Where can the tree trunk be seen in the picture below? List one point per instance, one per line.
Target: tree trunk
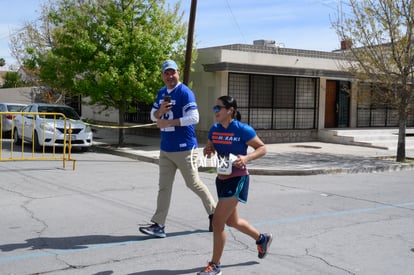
(401, 137)
(121, 130)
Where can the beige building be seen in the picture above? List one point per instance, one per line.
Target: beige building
(285, 94)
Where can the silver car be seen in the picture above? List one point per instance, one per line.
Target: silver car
(7, 119)
(43, 127)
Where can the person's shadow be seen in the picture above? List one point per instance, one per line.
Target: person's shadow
(88, 241)
(82, 242)
(175, 272)
(187, 271)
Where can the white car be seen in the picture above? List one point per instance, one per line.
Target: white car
(41, 125)
(7, 119)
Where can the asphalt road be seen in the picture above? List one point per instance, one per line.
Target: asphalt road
(60, 221)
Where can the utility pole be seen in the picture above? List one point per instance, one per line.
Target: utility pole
(190, 36)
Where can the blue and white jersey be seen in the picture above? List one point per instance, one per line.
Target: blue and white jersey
(178, 138)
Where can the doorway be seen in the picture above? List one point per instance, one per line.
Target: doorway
(337, 104)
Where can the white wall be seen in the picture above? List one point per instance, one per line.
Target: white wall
(16, 95)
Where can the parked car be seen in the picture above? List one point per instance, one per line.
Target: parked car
(7, 119)
(43, 127)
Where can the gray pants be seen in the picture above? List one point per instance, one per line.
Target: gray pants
(168, 165)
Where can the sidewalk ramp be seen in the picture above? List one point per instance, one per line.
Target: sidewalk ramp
(386, 139)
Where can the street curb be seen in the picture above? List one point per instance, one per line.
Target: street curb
(273, 172)
(112, 151)
(325, 171)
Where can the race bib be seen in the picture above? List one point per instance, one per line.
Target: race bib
(225, 165)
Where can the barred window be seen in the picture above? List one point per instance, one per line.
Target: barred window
(305, 93)
(275, 102)
(239, 85)
(283, 90)
(261, 91)
(370, 113)
(305, 103)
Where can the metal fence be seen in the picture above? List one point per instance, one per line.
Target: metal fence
(24, 141)
(141, 114)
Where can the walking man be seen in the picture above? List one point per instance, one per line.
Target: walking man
(175, 111)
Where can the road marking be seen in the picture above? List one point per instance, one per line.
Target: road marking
(334, 214)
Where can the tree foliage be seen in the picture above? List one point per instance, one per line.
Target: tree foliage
(381, 34)
(107, 50)
(112, 50)
(12, 80)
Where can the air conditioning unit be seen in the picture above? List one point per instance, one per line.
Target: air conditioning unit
(264, 42)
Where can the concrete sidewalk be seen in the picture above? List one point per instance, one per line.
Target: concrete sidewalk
(304, 158)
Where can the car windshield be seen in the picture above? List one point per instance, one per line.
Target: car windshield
(67, 111)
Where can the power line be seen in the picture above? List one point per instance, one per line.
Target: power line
(328, 3)
(235, 22)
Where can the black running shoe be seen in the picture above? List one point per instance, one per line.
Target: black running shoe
(263, 247)
(154, 230)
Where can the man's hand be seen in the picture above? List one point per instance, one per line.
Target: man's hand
(164, 108)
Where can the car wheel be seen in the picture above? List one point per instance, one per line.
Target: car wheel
(16, 139)
(36, 143)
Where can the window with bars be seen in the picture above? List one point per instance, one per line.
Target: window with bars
(275, 102)
(372, 114)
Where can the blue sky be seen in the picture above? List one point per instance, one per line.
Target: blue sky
(299, 24)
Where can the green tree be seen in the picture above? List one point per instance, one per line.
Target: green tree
(107, 50)
(2, 62)
(381, 33)
(12, 80)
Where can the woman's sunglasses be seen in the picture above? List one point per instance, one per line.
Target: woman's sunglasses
(217, 108)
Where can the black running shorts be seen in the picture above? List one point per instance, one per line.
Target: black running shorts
(236, 187)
